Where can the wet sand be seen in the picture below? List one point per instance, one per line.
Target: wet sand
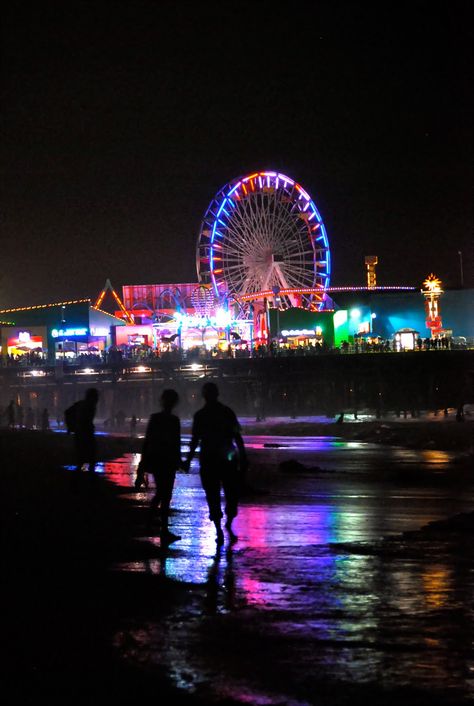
(307, 627)
(61, 532)
(426, 431)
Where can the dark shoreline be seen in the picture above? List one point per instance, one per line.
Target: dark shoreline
(63, 531)
(419, 433)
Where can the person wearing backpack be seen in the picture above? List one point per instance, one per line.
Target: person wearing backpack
(80, 421)
(161, 456)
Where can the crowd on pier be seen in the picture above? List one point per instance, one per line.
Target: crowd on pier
(145, 354)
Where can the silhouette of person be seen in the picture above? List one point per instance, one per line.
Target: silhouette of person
(215, 428)
(120, 420)
(161, 456)
(19, 414)
(30, 418)
(45, 420)
(11, 415)
(84, 438)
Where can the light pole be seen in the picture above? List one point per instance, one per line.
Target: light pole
(461, 268)
(252, 332)
(372, 317)
(276, 304)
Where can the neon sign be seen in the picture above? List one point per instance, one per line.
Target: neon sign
(66, 332)
(222, 319)
(302, 332)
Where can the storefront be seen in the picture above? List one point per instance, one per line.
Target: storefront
(183, 332)
(298, 327)
(406, 339)
(136, 341)
(69, 343)
(61, 331)
(22, 342)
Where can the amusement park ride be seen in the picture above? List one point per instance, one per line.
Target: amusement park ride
(262, 244)
(263, 232)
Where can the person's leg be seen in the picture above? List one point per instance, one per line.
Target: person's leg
(92, 454)
(80, 454)
(155, 501)
(230, 482)
(166, 486)
(212, 487)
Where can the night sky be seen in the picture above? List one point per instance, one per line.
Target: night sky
(120, 120)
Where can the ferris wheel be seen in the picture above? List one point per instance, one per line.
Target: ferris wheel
(263, 232)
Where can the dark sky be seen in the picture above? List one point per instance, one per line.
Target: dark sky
(120, 120)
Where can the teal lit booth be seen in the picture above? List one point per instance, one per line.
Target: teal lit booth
(299, 323)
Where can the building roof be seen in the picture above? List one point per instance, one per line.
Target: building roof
(44, 306)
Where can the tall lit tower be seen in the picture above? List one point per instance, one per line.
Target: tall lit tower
(432, 292)
(370, 262)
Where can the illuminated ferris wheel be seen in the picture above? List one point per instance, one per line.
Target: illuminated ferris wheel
(263, 232)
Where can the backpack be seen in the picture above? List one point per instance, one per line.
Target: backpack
(70, 418)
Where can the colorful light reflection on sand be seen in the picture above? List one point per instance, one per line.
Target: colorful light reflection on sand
(299, 583)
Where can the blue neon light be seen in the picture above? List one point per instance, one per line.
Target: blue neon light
(235, 187)
(60, 333)
(221, 208)
(263, 180)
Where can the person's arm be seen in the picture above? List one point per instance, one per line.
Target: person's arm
(243, 463)
(146, 441)
(240, 444)
(179, 462)
(241, 448)
(142, 466)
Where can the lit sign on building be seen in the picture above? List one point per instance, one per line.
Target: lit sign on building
(222, 319)
(302, 332)
(24, 341)
(68, 332)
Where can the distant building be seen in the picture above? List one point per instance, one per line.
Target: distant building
(57, 330)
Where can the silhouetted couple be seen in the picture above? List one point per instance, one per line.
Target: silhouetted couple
(223, 459)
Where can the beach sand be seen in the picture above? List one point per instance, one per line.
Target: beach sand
(62, 533)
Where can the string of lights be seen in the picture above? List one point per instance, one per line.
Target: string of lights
(313, 290)
(44, 306)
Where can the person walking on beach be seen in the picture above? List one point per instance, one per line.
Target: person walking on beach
(45, 420)
(80, 421)
(30, 418)
(215, 428)
(161, 456)
(11, 415)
